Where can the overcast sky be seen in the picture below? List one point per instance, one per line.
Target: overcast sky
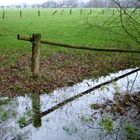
(10, 2)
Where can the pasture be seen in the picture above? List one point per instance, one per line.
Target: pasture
(100, 28)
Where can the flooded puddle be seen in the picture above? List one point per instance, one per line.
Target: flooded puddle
(20, 117)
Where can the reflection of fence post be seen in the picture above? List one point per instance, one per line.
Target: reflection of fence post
(35, 64)
(36, 110)
(3, 15)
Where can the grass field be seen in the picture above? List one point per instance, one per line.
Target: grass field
(62, 67)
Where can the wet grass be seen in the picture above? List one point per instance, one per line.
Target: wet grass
(60, 66)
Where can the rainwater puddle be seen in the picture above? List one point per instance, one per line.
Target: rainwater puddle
(74, 121)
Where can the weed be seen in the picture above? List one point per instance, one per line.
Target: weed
(131, 131)
(107, 124)
(86, 119)
(71, 130)
(4, 101)
(4, 116)
(117, 90)
(18, 88)
(22, 121)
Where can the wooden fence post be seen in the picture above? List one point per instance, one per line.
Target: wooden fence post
(70, 11)
(35, 64)
(20, 13)
(39, 13)
(113, 12)
(103, 11)
(62, 12)
(90, 11)
(81, 11)
(3, 15)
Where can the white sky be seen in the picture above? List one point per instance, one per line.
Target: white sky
(10, 2)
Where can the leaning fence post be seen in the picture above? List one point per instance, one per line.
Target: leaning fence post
(54, 12)
(35, 64)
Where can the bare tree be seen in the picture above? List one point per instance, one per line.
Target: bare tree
(70, 3)
(125, 16)
(129, 17)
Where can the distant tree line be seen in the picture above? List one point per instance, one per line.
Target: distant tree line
(83, 3)
(112, 3)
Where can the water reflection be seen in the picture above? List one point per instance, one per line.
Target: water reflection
(36, 110)
(74, 121)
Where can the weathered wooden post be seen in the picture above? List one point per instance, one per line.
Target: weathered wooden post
(39, 13)
(113, 12)
(81, 11)
(90, 11)
(20, 13)
(103, 11)
(70, 11)
(62, 12)
(35, 64)
(3, 15)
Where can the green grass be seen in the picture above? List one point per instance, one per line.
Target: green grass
(66, 28)
(63, 28)
(73, 29)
